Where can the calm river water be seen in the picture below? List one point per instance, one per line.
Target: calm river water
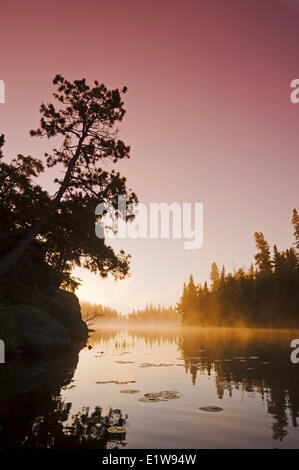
(245, 375)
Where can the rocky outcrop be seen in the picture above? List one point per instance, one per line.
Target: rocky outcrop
(26, 329)
(65, 308)
(37, 323)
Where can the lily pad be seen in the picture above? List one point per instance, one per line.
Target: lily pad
(106, 382)
(116, 430)
(117, 382)
(164, 365)
(148, 399)
(124, 362)
(149, 364)
(129, 391)
(164, 395)
(212, 409)
(124, 382)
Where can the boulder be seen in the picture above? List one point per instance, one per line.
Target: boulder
(65, 308)
(33, 321)
(27, 329)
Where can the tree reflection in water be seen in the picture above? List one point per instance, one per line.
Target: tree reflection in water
(270, 373)
(33, 414)
(225, 353)
(255, 363)
(54, 427)
(85, 431)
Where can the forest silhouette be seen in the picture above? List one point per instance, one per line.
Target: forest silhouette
(151, 314)
(266, 295)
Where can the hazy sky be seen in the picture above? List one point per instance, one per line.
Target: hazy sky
(209, 117)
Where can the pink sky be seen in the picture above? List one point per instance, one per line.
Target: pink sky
(209, 117)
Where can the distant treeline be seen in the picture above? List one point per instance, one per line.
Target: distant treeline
(153, 314)
(265, 295)
(91, 311)
(150, 314)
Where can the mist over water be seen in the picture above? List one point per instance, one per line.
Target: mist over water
(245, 374)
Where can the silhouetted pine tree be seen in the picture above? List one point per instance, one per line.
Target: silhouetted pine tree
(295, 222)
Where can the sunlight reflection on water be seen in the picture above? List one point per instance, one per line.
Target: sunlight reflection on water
(247, 373)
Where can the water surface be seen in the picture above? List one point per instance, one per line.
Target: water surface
(246, 373)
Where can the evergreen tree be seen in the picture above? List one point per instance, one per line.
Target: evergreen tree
(262, 258)
(278, 260)
(188, 303)
(214, 276)
(222, 278)
(295, 222)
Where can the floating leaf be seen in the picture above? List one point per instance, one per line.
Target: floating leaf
(116, 430)
(164, 395)
(117, 382)
(124, 382)
(106, 382)
(124, 362)
(212, 409)
(149, 364)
